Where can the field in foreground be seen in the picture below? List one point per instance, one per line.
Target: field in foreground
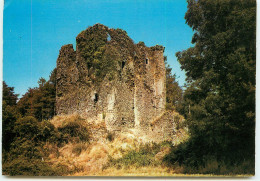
(110, 154)
(72, 146)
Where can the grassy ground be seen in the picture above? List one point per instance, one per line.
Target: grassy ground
(109, 155)
(114, 155)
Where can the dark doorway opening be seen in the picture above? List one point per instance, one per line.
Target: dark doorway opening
(146, 61)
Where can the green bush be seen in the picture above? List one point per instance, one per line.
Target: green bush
(27, 154)
(23, 166)
(196, 161)
(48, 132)
(140, 158)
(27, 127)
(74, 131)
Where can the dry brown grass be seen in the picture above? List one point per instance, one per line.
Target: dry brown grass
(132, 171)
(94, 157)
(60, 120)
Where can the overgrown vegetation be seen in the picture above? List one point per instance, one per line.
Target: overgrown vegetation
(101, 56)
(144, 156)
(39, 102)
(25, 137)
(74, 130)
(219, 102)
(26, 153)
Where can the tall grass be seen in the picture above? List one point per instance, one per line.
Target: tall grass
(144, 156)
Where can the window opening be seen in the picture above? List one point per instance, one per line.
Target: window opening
(146, 61)
(108, 37)
(96, 98)
(123, 64)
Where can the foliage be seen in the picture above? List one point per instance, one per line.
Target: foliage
(137, 158)
(92, 43)
(219, 102)
(25, 137)
(207, 164)
(141, 43)
(9, 97)
(92, 46)
(27, 154)
(173, 90)
(9, 116)
(26, 150)
(40, 102)
(158, 47)
(74, 130)
(28, 167)
(103, 51)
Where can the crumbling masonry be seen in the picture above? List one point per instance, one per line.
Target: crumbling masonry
(109, 78)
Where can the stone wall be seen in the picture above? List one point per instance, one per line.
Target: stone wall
(109, 78)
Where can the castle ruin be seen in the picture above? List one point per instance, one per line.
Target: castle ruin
(110, 78)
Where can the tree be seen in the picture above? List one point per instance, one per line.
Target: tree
(219, 103)
(9, 96)
(173, 90)
(27, 148)
(39, 102)
(9, 115)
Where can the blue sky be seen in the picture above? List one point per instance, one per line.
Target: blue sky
(35, 30)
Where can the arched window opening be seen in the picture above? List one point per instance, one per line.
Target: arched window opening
(146, 61)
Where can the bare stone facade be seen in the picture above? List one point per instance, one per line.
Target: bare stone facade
(110, 79)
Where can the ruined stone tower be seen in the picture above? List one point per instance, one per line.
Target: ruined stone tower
(109, 78)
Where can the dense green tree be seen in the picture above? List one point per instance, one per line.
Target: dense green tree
(219, 103)
(9, 97)
(9, 116)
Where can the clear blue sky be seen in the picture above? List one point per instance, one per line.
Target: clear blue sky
(34, 31)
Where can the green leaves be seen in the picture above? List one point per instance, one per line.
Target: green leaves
(219, 101)
(9, 96)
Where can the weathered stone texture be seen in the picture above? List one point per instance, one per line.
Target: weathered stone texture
(113, 80)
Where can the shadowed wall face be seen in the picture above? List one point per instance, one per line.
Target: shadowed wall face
(109, 78)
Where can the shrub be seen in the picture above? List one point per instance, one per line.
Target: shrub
(22, 166)
(27, 127)
(194, 162)
(48, 132)
(27, 153)
(74, 130)
(143, 157)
